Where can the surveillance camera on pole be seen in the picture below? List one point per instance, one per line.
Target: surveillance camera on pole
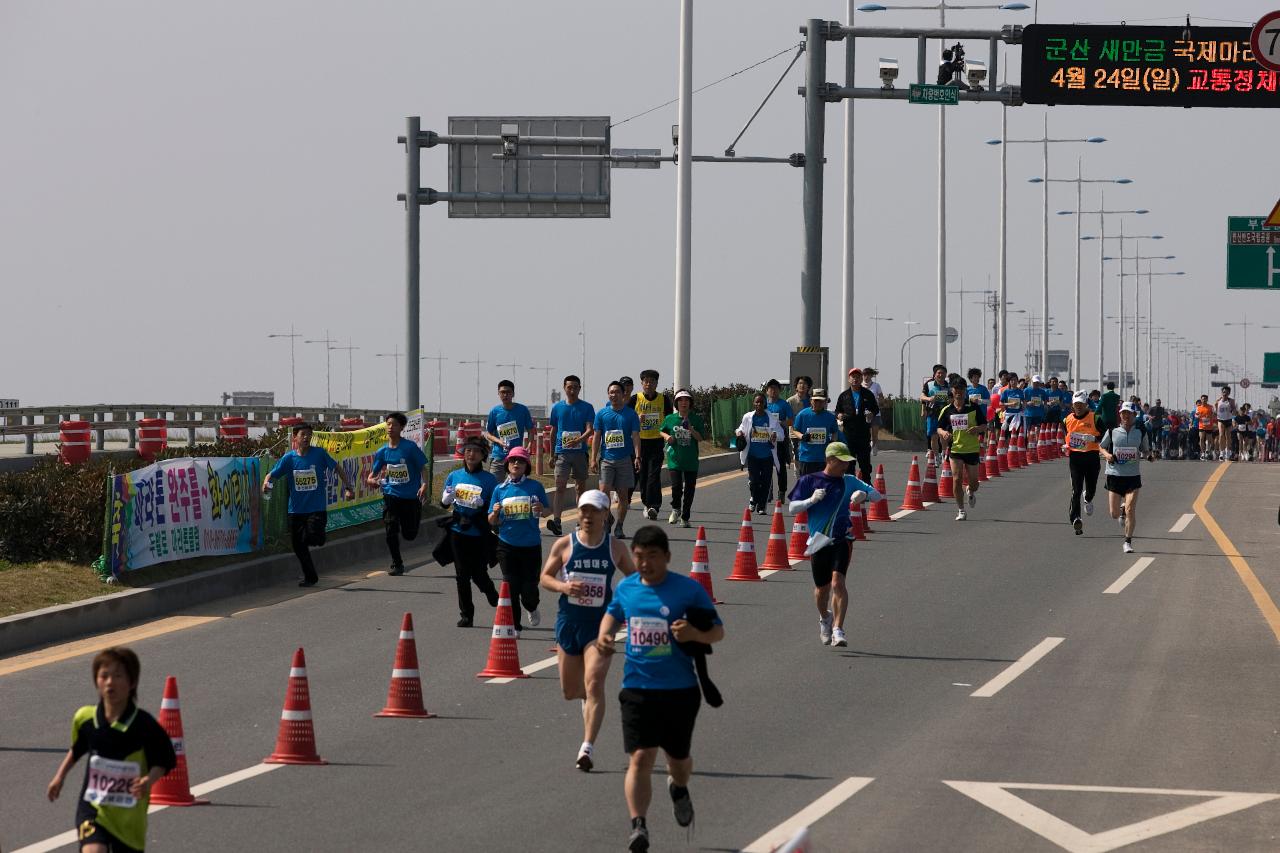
(888, 72)
(976, 73)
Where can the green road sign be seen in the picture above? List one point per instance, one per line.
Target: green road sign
(1251, 254)
(1271, 367)
(925, 93)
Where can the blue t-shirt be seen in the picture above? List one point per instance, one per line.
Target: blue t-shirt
(308, 481)
(1011, 400)
(819, 429)
(979, 395)
(783, 410)
(472, 495)
(595, 568)
(616, 427)
(517, 523)
(1094, 405)
(758, 445)
(511, 424)
(654, 661)
(1064, 397)
(830, 515)
(1034, 398)
(571, 419)
(403, 465)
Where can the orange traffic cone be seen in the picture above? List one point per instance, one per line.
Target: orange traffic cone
(744, 561)
(1002, 454)
(880, 509)
(701, 568)
(911, 498)
(985, 461)
(857, 533)
(866, 523)
(173, 788)
(296, 741)
(946, 480)
(504, 657)
(993, 457)
(404, 696)
(799, 536)
(929, 489)
(775, 552)
(1019, 450)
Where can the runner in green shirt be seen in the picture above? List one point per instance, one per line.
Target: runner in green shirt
(961, 425)
(682, 430)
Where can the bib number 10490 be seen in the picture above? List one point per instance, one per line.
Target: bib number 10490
(649, 635)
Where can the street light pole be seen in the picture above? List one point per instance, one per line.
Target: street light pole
(328, 372)
(397, 355)
(876, 324)
(293, 374)
(477, 362)
(350, 383)
(439, 359)
(684, 198)
(902, 373)
(546, 383)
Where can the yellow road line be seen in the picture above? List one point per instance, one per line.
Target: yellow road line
(1260, 597)
(92, 645)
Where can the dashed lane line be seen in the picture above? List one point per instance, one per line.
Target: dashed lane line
(1181, 524)
(1018, 667)
(1127, 578)
(809, 815)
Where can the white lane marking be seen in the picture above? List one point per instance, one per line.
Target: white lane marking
(72, 836)
(1018, 667)
(545, 663)
(764, 573)
(1182, 523)
(996, 796)
(902, 513)
(809, 815)
(1127, 578)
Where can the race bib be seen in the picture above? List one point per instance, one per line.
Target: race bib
(570, 438)
(509, 431)
(305, 480)
(941, 397)
(649, 636)
(976, 399)
(760, 435)
(650, 421)
(1242, 427)
(518, 508)
(1013, 405)
(959, 422)
(817, 435)
(109, 782)
(1035, 401)
(468, 495)
(1126, 454)
(397, 474)
(593, 594)
(1078, 440)
(614, 439)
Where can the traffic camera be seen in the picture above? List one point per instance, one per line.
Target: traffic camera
(888, 72)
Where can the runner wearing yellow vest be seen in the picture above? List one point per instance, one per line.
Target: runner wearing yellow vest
(1083, 433)
(651, 408)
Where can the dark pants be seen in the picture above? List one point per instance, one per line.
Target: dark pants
(400, 517)
(649, 477)
(682, 485)
(470, 566)
(1084, 477)
(305, 530)
(860, 446)
(520, 569)
(759, 480)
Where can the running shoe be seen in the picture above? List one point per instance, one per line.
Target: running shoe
(681, 804)
(535, 618)
(973, 499)
(961, 516)
(838, 637)
(619, 533)
(684, 522)
(464, 622)
(824, 629)
(583, 761)
(1088, 507)
(395, 571)
(639, 841)
(1128, 547)
(651, 513)
(1079, 526)
(875, 451)
(554, 526)
(674, 518)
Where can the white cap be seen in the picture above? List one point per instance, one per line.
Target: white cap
(1037, 378)
(1080, 397)
(683, 394)
(1129, 407)
(595, 498)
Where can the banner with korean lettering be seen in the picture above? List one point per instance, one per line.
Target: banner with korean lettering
(353, 451)
(181, 508)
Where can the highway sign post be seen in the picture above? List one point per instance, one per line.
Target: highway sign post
(1271, 367)
(1265, 41)
(927, 93)
(1251, 254)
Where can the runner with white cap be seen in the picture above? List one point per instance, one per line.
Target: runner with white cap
(580, 568)
(1121, 447)
(1083, 433)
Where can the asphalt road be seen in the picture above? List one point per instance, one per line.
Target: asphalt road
(1148, 716)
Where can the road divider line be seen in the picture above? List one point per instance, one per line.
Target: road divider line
(1265, 604)
(1018, 667)
(1127, 578)
(1181, 524)
(902, 513)
(764, 573)
(809, 815)
(545, 663)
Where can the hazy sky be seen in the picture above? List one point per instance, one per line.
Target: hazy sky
(178, 180)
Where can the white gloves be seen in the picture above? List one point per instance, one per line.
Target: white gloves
(858, 498)
(448, 497)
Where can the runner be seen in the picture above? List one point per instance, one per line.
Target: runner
(1053, 408)
(757, 440)
(1109, 407)
(869, 382)
(617, 431)
(308, 469)
(1121, 447)
(580, 568)
(978, 393)
(814, 429)
(826, 496)
(961, 425)
(469, 490)
(682, 430)
(573, 421)
(1095, 400)
(933, 396)
(786, 415)
(1226, 409)
(1033, 397)
(1011, 406)
(403, 488)
(1243, 423)
(1158, 417)
(1205, 424)
(856, 410)
(1083, 433)
(128, 753)
(660, 695)
(651, 407)
(799, 401)
(507, 425)
(514, 509)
